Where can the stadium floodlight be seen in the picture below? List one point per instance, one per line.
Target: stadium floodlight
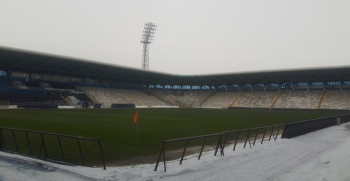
(147, 37)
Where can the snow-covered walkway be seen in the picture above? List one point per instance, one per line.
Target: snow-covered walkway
(319, 156)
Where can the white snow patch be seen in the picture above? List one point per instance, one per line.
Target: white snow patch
(319, 156)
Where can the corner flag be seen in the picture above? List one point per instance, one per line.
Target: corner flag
(137, 125)
(136, 116)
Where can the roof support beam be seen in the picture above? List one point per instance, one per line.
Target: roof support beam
(273, 79)
(42, 65)
(335, 72)
(25, 60)
(232, 80)
(319, 75)
(3, 58)
(245, 80)
(301, 75)
(290, 80)
(257, 78)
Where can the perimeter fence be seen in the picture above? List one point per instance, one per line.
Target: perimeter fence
(248, 136)
(219, 141)
(69, 149)
(295, 129)
(51, 146)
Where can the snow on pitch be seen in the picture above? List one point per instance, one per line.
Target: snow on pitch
(319, 156)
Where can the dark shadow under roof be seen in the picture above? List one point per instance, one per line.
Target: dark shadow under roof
(34, 62)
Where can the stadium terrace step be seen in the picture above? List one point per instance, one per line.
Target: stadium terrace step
(233, 103)
(321, 100)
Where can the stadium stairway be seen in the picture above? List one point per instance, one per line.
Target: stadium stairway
(67, 101)
(149, 93)
(180, 94)
(274, 102)
(234, 102)
(174, 101)
(321, 99)
(19, 85)
(211, 94)
(91, 98)
(129, 97)
(169, 101)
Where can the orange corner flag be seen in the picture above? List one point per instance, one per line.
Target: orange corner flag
(136, 116)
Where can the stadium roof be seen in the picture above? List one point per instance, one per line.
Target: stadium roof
(12, 59)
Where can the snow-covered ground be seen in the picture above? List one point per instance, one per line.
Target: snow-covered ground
(319, 156)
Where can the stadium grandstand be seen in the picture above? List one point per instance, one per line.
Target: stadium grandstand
(38, 80)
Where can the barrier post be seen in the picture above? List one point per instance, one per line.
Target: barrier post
(43, 144)
(183, 153)
(3, 145)
(160, 155)
(338, 121)
(61, 150)
(262, 140)
(279, 127)
(101, 153)
(164, 160)
(200, 154)
(28, 142)
(234, 147)
(257, 131)
(219, 144)
(246, 139)
(81, 152)
(223, 146)
(14, 139)
(271, 132)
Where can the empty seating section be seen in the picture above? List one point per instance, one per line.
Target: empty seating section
(5, 84)
(257, 99)
(82, 97)
(36, 105)
(260, 99)
(47, 95)
(106, 96)
(178, 92)
(196, 98)
(40, 86)
(336, 100)
(182, 98)
(46, 86)
(315, 97)
(65, 86)
(299, 99)
(36, 99)
(142, 98)
(31, 84)
(221, 99)
(165, 96)
(73, 100)
(19, 84)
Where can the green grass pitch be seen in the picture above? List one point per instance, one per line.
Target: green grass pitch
(117, 131)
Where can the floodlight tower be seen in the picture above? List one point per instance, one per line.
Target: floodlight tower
(147, 37)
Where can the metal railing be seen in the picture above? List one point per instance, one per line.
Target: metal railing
(295, 129)
(44, 146)
(250, 135)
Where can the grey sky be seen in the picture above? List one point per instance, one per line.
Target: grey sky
(192, 37)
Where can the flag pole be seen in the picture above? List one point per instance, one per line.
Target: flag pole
(137, 126)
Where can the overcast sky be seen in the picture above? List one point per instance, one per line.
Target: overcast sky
(192, 37)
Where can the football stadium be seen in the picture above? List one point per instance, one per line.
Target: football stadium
(234, 90)
(70, 96)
